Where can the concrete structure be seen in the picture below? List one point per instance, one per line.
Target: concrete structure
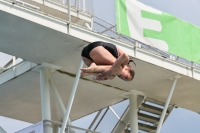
(49, 36)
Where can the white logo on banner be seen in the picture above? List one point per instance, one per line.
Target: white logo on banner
(137, 23)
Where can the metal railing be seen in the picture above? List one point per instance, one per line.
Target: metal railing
(69, 126)
(105, 28)
(107, 118)
(10, 65)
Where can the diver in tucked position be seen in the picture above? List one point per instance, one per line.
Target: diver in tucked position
(105, 61)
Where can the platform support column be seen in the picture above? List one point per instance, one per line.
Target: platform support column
(135, 100)
(55, 128)
(45, 99)
(59, 100)
(133, 113)
(71, 98)
(167, 104)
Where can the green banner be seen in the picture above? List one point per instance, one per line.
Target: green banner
(158, 29)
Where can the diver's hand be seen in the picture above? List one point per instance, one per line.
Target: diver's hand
(105, 75)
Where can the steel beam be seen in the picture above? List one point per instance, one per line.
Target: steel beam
(20, 68)
(14, 60)
(90, 36)
(133, 113)
(121, 125)
(101, 119)
(78, 128)
(2, 130)
(135, 100)
(71, 98)
(55, 128)
(94, 119)
(84, 5)
(45, 99)
(114, 112)
(167, 104)
(59, 100)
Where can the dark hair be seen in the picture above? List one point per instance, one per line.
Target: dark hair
(131, 61)
(131, 71)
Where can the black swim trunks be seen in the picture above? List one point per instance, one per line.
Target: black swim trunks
(108, 46)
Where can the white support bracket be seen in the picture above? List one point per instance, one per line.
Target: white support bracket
(167, 103)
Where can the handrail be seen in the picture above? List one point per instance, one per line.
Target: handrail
(14, 66)
(60, 124)
(132, 42)
(155, 50)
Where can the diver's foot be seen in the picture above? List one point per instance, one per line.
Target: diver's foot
(88, 69)
(84, 74)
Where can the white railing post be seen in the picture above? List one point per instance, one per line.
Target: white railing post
(69, 11)
(69, 16)
(14, 60)
(84, 5)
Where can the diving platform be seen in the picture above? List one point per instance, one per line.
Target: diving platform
(51, 38)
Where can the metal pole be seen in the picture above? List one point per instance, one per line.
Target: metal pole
(114, 112)
(78, 128)
(92, 23)
(55, 128)
(124, 120)
(69, 11)
(14, 62)
(71, 98)
(166, 106)
(58, 100)
(45, 99)
(79, 4)
(84, 5)
(133, 113)
(101, 119)
(94, 119)
(2, 130)
(69, 17)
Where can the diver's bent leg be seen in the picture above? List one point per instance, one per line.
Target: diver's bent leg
(87, 61)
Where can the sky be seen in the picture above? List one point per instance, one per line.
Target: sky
(180, 120)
